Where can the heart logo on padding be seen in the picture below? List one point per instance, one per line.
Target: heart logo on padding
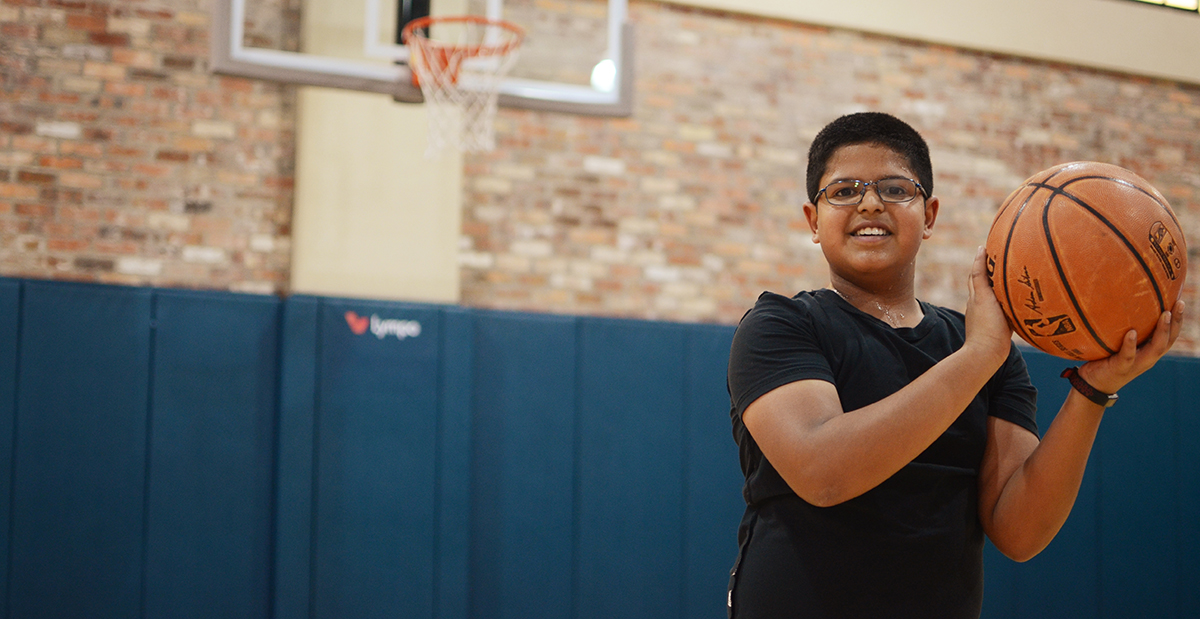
(358, 324)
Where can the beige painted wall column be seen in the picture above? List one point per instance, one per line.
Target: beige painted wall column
(373, 217)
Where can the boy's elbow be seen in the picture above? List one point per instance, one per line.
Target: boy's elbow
(1019, 550)
(821, 493)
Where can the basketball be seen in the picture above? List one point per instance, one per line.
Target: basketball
(1080, 254)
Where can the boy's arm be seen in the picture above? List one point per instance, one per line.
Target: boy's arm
(1027, 488)
(827, 457)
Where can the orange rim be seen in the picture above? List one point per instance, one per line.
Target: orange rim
(433, 51)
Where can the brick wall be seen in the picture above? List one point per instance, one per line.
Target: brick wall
(690, 208)
(123, 160)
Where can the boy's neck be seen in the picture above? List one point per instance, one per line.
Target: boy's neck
(896, 306)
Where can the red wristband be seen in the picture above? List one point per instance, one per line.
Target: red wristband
(1099, 397)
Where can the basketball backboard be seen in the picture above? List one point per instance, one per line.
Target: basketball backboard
(576, 56)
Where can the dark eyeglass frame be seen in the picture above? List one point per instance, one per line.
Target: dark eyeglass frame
(862, 191)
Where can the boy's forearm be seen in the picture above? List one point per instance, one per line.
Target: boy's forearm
(1038, 498)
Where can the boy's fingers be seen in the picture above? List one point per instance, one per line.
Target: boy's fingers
(1176, 321)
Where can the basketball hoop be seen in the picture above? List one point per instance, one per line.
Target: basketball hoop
(459, 73)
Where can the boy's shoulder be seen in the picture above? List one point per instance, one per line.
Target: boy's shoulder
(801, 303)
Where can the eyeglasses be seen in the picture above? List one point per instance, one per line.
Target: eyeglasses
(890, 190)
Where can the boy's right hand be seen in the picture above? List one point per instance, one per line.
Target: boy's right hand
(988, 330)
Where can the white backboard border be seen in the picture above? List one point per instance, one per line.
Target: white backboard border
(229, 56)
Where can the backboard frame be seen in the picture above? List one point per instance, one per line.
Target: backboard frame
(229, 56)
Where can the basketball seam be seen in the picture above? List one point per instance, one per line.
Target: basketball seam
(1062, 276)
(1121, 235)
(1012, 311)
(1004, 264)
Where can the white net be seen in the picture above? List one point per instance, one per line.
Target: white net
(459, 63)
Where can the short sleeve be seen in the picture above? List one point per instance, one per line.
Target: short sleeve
(776, 343)
(1012, 396)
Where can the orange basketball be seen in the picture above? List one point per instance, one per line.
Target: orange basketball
(1080, 254)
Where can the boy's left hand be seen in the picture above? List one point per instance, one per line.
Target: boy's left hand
(1112, 373)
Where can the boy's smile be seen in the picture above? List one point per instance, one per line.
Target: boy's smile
(869, 230)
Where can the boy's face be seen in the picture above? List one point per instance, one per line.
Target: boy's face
(873, 243)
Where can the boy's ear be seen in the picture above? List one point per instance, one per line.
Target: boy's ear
(931, 212)
(810, 214)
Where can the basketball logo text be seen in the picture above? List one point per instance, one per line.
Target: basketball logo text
(1035, 298)
(1041, 325)
(1051, 326)
(1166, 249)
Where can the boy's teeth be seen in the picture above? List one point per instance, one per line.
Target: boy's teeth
(871, 232)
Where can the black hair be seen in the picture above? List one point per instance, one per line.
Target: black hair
(869, 128)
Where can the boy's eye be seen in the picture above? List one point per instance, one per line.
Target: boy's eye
(846, 190)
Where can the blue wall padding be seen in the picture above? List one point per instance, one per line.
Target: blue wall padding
(187, 454)
(1187, 473)
(10, 300)
(523, 467)
(630, 469)
(452, 557)
(1139, 532)
(80, 462)
(294, 459)
(375, 457)
(212, 438)
(710, 510)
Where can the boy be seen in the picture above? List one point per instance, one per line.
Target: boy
(882, 437)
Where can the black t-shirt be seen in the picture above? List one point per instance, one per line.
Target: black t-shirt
(910, 547)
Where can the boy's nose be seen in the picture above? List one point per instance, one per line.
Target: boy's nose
(871, 202)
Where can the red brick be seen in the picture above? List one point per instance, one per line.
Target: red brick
(108, 39)
(125, 151)
(96, 134)
(17, 190)
(15, 128)
(81, 180)
(87, 263)
(18, 31)
(123, 248)
(33, 143)
(41, 211)
(59, 98)
(148, 75)
(161, 14)
(179, 63)
(60, 229)
(151, 169)
(62, 163)
(91, 23)
(125, 89)
(80, 215)
(35, 178)
(236, 84)
(84, 149)
(73, 5)
(170, 155)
